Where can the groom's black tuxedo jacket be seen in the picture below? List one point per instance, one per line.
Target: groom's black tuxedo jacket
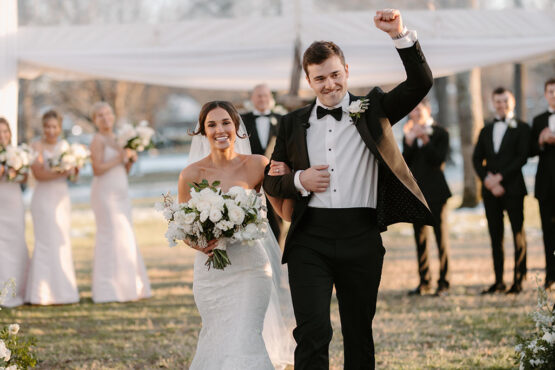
(399, 198)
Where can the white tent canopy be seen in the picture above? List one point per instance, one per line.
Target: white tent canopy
(237, 53)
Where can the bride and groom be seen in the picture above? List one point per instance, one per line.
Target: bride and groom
(338, 175)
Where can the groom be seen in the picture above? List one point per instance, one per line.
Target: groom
(349, 182)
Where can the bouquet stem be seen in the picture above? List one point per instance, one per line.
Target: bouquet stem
(219, 260)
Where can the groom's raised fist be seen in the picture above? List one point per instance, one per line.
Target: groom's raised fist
(389, 21)
(316, 178)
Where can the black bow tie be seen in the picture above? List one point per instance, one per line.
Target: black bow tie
(336, 113)
(499, 120)
(262, 115)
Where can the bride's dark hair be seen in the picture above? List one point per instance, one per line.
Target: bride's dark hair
(210, 106)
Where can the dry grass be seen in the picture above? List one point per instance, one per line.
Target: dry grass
(463, 330)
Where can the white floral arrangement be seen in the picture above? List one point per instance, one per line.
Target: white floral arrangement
(357, 107)
(17, 161)
(138, 138)
(67, 157)
(238, 215)
(15, 352)
(538, 350)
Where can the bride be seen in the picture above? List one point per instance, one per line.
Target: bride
(246, 310)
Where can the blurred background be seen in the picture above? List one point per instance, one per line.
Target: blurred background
(460, 101)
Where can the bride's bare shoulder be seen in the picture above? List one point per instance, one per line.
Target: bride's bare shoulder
(257, 160)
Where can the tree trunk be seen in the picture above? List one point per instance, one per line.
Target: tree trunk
(440, 86)
(520, 90)
(471, 120)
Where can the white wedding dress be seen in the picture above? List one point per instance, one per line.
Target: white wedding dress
(52, 274)
(14, 257)
(119, 273)
(246, 310)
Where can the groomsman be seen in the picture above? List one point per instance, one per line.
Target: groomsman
(425, 148)
(500, 153)
(262, 126)
(542, 143)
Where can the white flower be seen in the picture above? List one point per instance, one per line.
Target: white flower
(14, 158)
(5, 353)
(357, 107)
(549, 337)
(215, 215)
(512, 123)
(225, 225)
(13, 329)
(236, 215)
(204, 215)
(167, 213)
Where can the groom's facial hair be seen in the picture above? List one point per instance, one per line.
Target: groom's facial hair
(329, 80)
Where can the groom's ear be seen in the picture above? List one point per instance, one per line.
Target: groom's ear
(346, 70)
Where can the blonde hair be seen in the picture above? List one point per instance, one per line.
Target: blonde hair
(5, 122)
(98, 106)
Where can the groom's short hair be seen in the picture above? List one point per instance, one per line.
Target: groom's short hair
(319, 52)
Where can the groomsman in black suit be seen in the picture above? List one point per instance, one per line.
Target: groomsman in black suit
(542, 143)
(425, 148)
(262, 126)
(500, 153)
(349, 181)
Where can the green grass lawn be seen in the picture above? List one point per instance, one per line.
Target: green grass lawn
(463, 330)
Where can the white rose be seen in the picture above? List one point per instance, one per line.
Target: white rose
(236, 215)
(167, 213)
(204, 215)
(225, 225)
(203, 205)
(189, 218)
(179, 217)
(215, 215)
(5, 353)
(13, 329)
(13, 160)
(61, 147)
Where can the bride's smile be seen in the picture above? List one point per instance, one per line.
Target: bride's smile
(220, 129)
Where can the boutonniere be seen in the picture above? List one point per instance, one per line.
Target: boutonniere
(357, 107)
(273, 120)
(512, 123)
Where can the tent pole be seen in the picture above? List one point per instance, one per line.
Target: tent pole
(8, 64)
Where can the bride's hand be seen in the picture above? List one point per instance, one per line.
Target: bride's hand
(208, 250)
(278, 168)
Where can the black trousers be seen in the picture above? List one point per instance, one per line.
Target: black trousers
(273, 220)
(494, 213)
(547, 213)
(422, 238)
(340, 247)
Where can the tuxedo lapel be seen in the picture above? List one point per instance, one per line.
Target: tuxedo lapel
(508, 132)
(301, 125)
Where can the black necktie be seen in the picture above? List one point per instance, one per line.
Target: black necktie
(336, 113)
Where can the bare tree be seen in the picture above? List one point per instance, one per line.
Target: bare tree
(471, 120)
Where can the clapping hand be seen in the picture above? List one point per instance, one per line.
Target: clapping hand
(389, 21)
(546, 137)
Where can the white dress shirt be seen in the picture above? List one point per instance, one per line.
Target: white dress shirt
(499, 129)
(551, 119)
(262, 127)
(352, 167)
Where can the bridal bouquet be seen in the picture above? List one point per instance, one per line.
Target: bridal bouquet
(138, 138)
(17, 161)
(238, 215)
(67, 157)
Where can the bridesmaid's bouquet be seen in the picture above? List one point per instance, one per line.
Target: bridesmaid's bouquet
(16, 161)
(238, 215)
(138, 138)
(67, 157)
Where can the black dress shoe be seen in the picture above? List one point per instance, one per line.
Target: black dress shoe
(442, 291)
(515, 289)
(421, 290)
(497, 287)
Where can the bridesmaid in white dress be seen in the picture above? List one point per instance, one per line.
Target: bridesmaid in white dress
(119, 273)
(14, 257)
(52, 274)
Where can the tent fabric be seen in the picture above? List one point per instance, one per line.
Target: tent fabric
(234, 54)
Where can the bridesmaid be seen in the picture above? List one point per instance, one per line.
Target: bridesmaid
(14, 257)
(119, 273)
(52, 275)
